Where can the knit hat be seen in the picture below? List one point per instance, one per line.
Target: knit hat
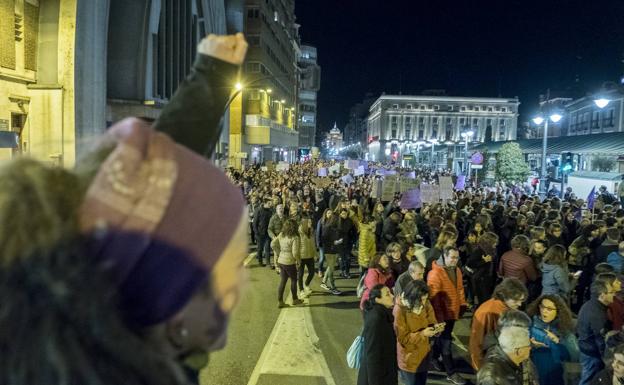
(159, 216)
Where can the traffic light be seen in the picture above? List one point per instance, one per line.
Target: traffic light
(567, 162)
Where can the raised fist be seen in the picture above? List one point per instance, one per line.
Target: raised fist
(229, 48)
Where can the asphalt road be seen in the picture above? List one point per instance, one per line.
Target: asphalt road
(301, 345)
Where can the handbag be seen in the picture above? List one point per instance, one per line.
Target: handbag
(354, 354)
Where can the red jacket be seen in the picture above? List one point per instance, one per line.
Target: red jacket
(517, 265)
(374, 277)
(446, 298)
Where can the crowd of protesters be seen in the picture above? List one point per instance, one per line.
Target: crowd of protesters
(540, 277)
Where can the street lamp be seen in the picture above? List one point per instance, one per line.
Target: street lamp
(466, 135)
(601, 102)
(539, 120)
(433, 143)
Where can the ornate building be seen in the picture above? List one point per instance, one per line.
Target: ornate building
(400, 125)
(333, 139)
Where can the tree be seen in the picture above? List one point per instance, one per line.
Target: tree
(510, 164)
(603, 163)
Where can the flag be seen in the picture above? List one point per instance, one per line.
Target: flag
(460, 184)
(591, 198)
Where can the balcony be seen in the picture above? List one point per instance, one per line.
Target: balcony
(263, 131)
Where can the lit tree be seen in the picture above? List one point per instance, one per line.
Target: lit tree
(510, 164)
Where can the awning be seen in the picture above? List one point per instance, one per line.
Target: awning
(608, 144)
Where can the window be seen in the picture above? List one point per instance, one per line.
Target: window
(475, 122)
(608, 119)
(502, 129)
(450, 107)
(503, 109)
(408, 134)
(462, 108)
(408, 106)
(253, 13)
(393, 119)
(490, 108)
(254, 95)
(434, 133)
(423, 107)
(421, 134)
(435, 120)
(436, 107)
(408, 119)
(393, 134)
(595, 120)
(462, 122)
(395, 106)
(476, 108)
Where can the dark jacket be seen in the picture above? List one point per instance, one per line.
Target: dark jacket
(379, 355)
(592, 326)
(389, 232)
(348, 233)
(498, 369)
(606, 248)
(328, 235)
(604, 377)
(261, 221)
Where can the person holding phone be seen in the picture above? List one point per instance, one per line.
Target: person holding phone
(414, 324)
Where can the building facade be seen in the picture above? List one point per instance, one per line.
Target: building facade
(262, 118)
(70, 68)
(399, 125)
(334, 140)
(308, 88)
(585, 117)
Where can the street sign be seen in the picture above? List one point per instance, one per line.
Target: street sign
(476, 166)
(476, 158)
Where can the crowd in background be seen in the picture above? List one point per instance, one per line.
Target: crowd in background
(540, 278)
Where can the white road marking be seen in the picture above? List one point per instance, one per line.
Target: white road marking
(292, 348)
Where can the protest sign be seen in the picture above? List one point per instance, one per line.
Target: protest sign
(376, 188)
(407, 184)
(429, 193)
(411, 199)
(322, 171)
(388, 189)
(347, 179)
(460, 185)
(446, 187)
(359, 171)
(335, 169)
(282, 166)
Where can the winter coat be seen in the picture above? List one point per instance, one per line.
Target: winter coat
(602, 252)
(286, 249)
(347, 232)
(591, 328)
(446, 297)
(389, 232)
(378, 365)
(579, 252)
(375, 276)
(517, 265)
(498, 369)
(616, 260)
(307, 248)
(412, 346)
(548, 360)
(367, 247)
(261, 221)
(556, 280)
(329, 235)
(484, 322)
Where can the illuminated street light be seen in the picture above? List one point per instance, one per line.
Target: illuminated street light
(539, 120)
(238, 86)
(466, 135)
(601, 103)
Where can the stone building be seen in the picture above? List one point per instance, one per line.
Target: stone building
(400, 125)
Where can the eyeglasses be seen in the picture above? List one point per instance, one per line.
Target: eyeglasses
(547, 308)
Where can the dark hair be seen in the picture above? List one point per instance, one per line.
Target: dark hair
(613, 233)
(374, 262)
(510, 288)
(289, 229)
(603, 268)
(587, 230)
(564, 315)
(414, 291)
(555, 255)
(373, 294)
(599, 287)
(520, 242)
(60, 325)
(448, 249)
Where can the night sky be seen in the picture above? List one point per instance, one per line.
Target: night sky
(470, 48)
